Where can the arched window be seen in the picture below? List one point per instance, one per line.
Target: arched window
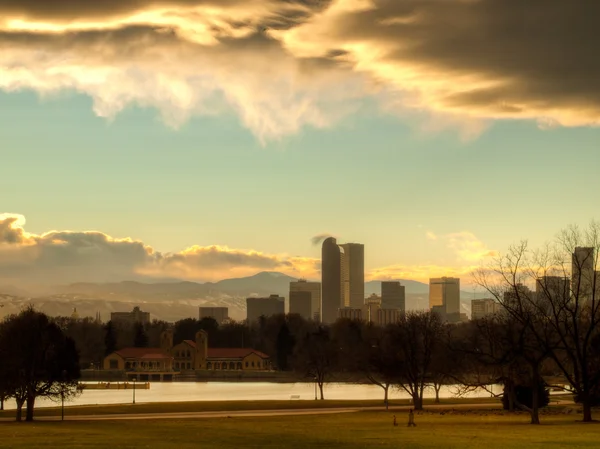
(239, 365)
(208, 365)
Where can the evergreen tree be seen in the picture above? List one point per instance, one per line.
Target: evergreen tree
(110, 338)
(140, 338)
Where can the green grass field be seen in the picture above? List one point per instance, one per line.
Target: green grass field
(350, 430)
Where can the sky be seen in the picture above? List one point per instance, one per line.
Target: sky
(210, 139)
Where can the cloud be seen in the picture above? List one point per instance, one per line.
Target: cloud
(282, 65)
(475, 58)
(465, 245)
(68, 256)
(318, 239)
(421, 273)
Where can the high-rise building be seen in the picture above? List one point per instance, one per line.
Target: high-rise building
(331, 280)
(551, 290)
(583, 265)
(481, 308)
(300, 303)
(445, 292)
(353, 274)
(257, 307)
(393, 296)
(314, 288)
(219, 314)
(135, 316)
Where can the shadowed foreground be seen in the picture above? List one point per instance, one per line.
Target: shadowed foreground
(354, 430)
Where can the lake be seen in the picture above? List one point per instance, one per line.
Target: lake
(242, 391)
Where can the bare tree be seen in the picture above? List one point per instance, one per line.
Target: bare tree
(562, 314)
(316, 357)
(415, 339)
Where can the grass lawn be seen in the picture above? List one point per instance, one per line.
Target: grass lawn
(353, 430)
(199, 406)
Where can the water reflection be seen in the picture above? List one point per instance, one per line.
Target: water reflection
(242, 391)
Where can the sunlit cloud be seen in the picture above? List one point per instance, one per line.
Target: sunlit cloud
(283, 65)
(73, 256)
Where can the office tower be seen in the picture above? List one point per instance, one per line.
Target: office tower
(314, 288)
(257, 307)
(481, 308)
(135, 316)
(551, 290)
(331, 280)
(219, 314)
(300, 304)
(445, 292)
(353, 274)
(393, 296)
(583, 264)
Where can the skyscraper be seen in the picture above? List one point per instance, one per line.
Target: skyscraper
(393, 296)
(583, 266)
(300, 304)
(445, 292)
(353, 275)
(257, 307)
(314, 288)
(331, 280)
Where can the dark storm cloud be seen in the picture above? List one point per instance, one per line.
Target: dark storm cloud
(513, 57)
(285, 64)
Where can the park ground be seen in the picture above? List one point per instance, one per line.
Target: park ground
(489, 429)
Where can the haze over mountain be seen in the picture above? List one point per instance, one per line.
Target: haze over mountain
(175, 300)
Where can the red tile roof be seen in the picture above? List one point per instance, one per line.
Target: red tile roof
(233, 353)
(192, 343)
(143, 353)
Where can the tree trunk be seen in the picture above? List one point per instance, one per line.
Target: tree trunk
(587, 411)
(535, 401)
(417, 401)
(385, 396)
(437, 388)
(321, 390)
(19, 416)
(1, 403)
(29, 409)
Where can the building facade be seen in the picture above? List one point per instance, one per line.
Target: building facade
(189, 355)
(219, 314)
(301, 304)
(393, 295)
(445, 292)
(583, 274)
(481, 308)
(331, 280)
(314, 288)
(350, 313)
(257, 307)
(133, 317)
(352, 261)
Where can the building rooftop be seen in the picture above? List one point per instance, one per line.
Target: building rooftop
(143, 353)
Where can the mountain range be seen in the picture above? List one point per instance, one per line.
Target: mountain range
(175, 300)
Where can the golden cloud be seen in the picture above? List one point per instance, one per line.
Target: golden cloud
(282, 65)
